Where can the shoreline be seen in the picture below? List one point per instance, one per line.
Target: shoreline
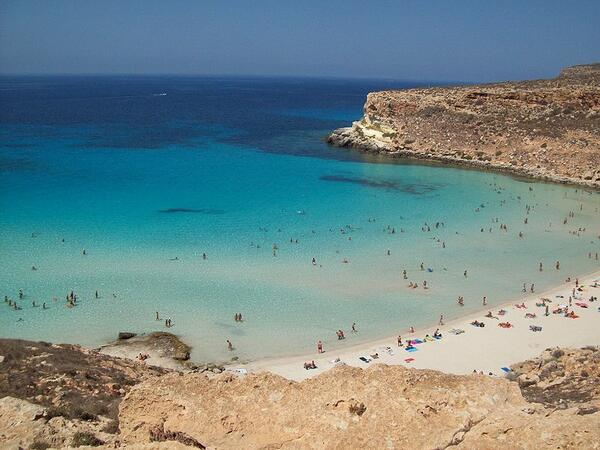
(557, 331)
(342, 138)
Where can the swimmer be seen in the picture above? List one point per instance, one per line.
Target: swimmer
(229, 345)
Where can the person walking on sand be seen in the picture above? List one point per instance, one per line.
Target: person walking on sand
(319, 347)
(400, 341)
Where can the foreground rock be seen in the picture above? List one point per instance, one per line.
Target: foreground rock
(549, 402)
(381, 407)
(50, 392)
(547, 129)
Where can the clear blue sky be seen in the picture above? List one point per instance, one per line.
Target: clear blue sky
(474, 40)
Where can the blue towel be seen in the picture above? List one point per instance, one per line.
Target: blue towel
(413, 349)
(505, 369)
(417, 341)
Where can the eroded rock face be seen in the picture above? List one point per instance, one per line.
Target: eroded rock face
(548, 129)
(381, 407)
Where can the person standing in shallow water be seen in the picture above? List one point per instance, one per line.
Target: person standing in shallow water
(319, 347)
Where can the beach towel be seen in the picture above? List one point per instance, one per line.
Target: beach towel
(581, 305)
(408, 360)
(241, 371)
(417, 341)
(505, 369)
(411, 349)
(364, 359)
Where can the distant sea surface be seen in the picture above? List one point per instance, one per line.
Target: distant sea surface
(147, 174)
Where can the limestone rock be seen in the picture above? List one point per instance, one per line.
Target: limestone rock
(379, 407)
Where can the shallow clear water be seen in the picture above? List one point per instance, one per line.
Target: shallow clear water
(230, 167)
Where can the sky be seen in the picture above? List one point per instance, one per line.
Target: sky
(418, 40)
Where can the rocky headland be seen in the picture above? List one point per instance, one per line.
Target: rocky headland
(65, 396)
(546, 129)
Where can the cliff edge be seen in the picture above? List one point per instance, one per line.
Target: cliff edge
(546, 129)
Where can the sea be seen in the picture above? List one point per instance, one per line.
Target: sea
(198, 198)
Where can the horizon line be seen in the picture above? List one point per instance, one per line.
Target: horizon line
(226, 75)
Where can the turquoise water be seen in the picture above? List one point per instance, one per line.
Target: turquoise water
(141, 184)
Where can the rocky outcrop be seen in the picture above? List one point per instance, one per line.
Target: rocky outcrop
(548, 402)
(562, 379)
(547, 129)
(161, 349)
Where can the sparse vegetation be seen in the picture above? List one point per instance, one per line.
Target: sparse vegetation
(85, 438)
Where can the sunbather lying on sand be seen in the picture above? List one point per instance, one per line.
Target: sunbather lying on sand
(505, 325)
(310, 365)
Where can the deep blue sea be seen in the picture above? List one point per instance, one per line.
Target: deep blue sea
(147, 174)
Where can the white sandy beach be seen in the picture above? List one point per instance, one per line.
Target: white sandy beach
(486, 349)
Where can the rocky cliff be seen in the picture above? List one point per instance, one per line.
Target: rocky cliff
(547, 129)
(550, 402)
